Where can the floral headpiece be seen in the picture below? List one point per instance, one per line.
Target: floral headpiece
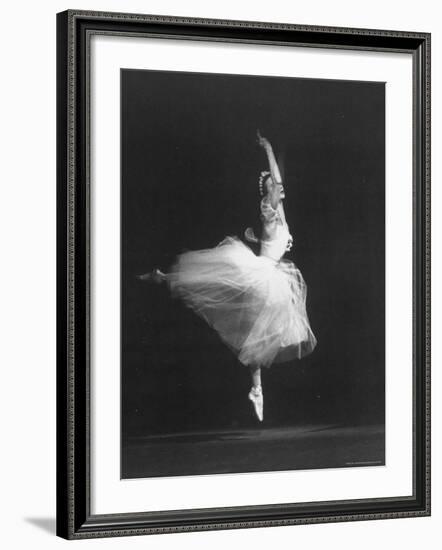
(262, 177)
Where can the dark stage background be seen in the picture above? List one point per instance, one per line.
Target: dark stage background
(190, 165)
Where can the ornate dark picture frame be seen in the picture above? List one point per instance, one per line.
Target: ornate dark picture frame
(74, 518)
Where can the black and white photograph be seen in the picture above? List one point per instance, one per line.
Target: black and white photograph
(243, 274)
(252, 273)
(221, 269)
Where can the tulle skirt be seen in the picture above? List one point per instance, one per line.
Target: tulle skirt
(257, 305)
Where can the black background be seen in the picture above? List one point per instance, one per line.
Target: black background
(190, 165)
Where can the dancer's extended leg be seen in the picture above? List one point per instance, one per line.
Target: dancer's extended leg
(154, 276)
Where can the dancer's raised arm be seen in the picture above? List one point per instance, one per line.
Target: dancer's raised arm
(275, 175)
(273, 165)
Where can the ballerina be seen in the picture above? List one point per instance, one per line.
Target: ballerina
(256, 303)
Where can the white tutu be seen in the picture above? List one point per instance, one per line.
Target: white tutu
(256, 304)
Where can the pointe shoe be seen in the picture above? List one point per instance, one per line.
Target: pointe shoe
(257, 399)
(154, 276)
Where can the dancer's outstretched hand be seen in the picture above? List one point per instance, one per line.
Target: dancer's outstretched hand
(264, 142)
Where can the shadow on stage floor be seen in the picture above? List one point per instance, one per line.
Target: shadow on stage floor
(253, 450)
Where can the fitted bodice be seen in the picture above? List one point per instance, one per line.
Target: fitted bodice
(276, 247)
(276, 235)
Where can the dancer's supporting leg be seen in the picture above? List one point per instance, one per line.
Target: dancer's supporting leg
(255, 394)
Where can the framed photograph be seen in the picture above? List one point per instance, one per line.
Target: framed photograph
(243, 274)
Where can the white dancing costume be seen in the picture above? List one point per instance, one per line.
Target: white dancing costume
(257, 304)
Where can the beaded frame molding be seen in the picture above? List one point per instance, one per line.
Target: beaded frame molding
(74, 517)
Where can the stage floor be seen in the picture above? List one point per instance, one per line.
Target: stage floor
(254, 450)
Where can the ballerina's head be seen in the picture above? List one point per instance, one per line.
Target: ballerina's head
(268, 187)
